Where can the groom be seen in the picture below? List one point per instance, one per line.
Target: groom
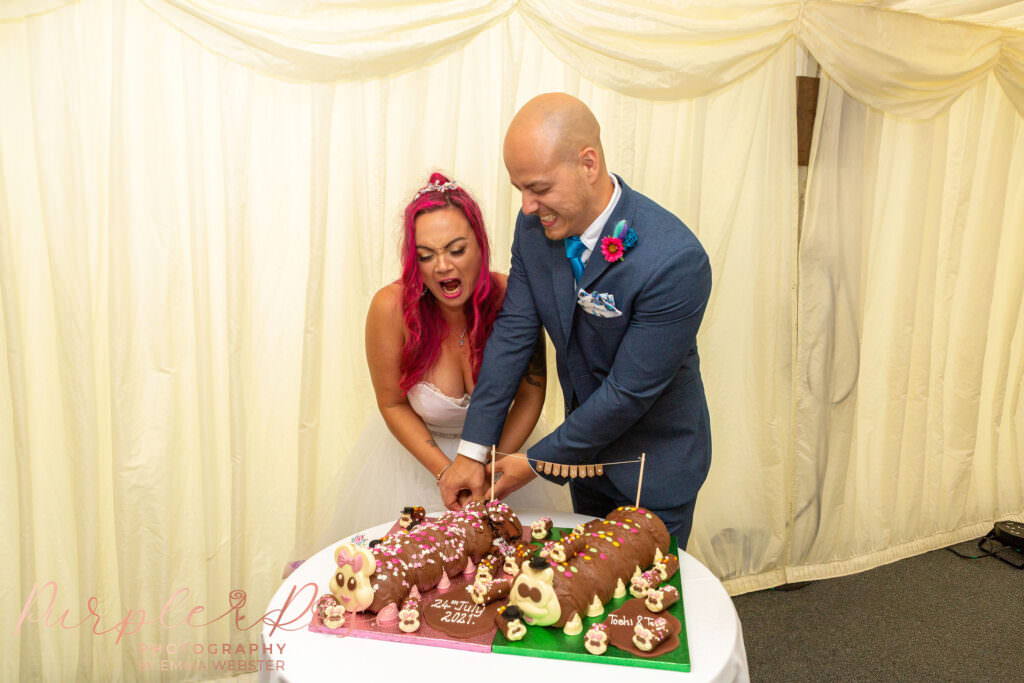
(620, 285)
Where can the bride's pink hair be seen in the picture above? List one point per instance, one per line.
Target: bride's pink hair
(420, 310)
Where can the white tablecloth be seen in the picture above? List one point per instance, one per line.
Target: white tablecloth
(712, 629)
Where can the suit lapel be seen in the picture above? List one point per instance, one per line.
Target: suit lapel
(596, 264)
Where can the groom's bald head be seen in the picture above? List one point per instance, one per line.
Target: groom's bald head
(555, 124)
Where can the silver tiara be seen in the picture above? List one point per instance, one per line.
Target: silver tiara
(437, 187)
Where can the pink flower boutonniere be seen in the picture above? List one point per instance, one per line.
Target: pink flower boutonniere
(622, 238)
(612, 249)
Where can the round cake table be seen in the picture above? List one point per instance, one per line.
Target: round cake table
(712, 625)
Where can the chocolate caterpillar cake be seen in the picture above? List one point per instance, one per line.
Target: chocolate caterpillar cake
(425, 556)
(599, 560)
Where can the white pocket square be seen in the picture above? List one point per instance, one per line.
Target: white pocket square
(598, 303)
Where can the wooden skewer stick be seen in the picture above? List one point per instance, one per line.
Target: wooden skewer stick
(494, 456)
(640, 483)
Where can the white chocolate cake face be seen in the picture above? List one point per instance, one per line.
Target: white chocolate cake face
(534, 594)
(350, 584)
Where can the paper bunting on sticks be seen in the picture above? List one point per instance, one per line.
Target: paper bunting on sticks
(572, 471)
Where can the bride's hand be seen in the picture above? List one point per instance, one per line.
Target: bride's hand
(515, 473)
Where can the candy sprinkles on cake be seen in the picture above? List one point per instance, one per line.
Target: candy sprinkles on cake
(504, 582)
(567, 580)
(590, 568)
(424, 557)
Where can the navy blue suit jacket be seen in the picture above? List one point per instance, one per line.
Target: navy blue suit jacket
(636, 377)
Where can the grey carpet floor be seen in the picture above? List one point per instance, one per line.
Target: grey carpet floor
(935, 617)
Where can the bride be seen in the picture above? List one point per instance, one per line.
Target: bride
(425, 337)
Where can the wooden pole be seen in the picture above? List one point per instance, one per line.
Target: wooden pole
(640, 483)
(494, 461)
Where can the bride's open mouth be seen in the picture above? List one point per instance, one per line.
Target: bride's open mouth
(451, 288)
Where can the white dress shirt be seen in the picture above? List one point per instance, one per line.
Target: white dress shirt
(482, 453)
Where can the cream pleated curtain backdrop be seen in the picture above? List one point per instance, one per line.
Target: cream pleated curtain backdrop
(188, 251)
(910, 361)
(198, 199)
(655, 50)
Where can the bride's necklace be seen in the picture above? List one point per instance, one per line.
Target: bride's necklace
(462, 338)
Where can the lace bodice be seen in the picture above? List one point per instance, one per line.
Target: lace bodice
(444, 415)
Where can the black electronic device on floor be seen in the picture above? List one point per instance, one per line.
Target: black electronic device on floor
(1005, 543)
(1010, 534)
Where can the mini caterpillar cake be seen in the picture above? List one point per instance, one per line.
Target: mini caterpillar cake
(380, 579)
(648, 636)
(509, 622)
(409, 615)
(599, 561)
(411, 516)
(514, 558)
(490, 566)
(487, 591)
(596, 641)
(660, 599)
(540, 529)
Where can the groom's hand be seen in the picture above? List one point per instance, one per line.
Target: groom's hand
(464, 474)
(515, 473)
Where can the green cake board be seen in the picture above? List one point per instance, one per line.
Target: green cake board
(551, 643)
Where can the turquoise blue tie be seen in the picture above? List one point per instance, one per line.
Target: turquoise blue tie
(574, 249)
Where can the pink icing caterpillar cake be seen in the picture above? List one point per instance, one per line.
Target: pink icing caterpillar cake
(424, 556)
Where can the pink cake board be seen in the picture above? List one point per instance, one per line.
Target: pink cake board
(364, 625)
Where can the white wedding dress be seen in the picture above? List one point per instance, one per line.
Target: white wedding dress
(381, 476)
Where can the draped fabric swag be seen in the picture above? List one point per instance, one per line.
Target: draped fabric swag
(198, 198)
